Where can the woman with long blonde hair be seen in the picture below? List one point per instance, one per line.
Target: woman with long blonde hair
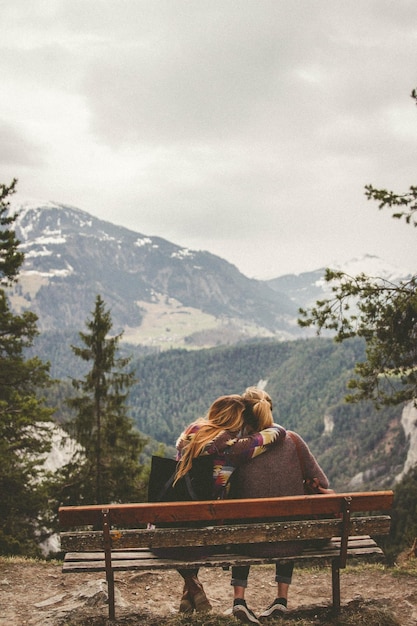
(224, 418)
(219, 434)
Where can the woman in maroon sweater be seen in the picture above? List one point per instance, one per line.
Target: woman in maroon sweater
(281, 471)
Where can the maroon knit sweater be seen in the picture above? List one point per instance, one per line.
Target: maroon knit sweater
(277, 473)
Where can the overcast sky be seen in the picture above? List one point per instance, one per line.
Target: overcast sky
(248, 128)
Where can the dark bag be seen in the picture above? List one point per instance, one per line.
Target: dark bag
(197, 484)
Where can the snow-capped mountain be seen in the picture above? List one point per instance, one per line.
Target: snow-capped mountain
(305, 288)
(372, 266)
(153, 287)
(159, 293)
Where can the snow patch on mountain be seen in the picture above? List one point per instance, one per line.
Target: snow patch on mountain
(143, 241)
(107, 237)
(32, 254)
(182, 254)
(54, 238)
(49, 274)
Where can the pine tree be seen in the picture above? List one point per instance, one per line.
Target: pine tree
(24, 430)
(108, 469)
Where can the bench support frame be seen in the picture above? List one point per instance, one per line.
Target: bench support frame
(108, 561)
(340, 562)
(109, 548)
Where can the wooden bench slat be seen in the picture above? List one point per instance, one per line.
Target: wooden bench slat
(225, 535)
(334, 544)
(143, 559)
(214, 510)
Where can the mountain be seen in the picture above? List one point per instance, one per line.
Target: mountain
(305, 288)
(158, 292)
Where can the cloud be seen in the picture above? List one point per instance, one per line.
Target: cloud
(17, 150)
(245, 127)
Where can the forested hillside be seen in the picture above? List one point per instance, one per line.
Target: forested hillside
(306, 378)
(307, 381)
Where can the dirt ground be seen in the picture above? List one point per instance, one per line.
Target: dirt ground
(38, 594)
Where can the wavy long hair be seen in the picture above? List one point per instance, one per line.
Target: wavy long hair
(224, 414)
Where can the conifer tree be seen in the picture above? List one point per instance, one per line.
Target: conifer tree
(24, 431)
(108, 468)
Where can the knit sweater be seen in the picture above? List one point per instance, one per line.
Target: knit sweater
(230, 450)
(278, 472)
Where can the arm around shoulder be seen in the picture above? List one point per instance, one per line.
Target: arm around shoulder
(310, 467)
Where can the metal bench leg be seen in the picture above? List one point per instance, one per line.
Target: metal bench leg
(336, 585)
(110, 588)
(109, 568)
(340, 562)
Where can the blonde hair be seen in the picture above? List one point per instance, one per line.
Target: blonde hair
(258, 412)
(224, 414)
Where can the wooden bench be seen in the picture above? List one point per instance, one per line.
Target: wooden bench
(123, 541)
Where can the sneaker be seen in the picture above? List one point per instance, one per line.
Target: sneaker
(244, 614)
(274, 610)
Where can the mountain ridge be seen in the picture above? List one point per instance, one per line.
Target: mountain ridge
(159, 293)
(71, 256)
(307, 287)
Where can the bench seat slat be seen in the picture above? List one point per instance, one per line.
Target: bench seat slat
(225, 535)
(143, 559)
(334, 544)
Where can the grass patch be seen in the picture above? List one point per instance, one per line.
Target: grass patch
(407, 568)
(29, 560)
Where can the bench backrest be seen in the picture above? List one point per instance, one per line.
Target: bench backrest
(217, 511)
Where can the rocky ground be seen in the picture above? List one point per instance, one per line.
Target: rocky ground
(38, 594)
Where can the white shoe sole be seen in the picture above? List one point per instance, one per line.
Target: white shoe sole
(274, 611)
(242, 613)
